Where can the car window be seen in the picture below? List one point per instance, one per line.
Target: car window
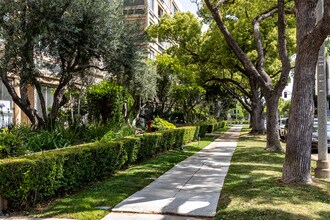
(328, 127)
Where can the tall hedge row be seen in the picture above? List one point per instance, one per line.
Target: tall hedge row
(31, 179)
(209, 128)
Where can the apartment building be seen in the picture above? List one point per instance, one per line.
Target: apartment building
(148, 12)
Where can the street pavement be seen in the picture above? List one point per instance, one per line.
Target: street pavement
(190, 190)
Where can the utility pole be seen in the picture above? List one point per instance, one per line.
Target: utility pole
(323, 166)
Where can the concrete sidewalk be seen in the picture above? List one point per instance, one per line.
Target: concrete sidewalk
(190, 190)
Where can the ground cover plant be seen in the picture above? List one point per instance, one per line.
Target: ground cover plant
(253, 189)
(20, 139)
(115, 189)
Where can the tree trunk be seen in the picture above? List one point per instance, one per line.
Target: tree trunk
(296, 168)
(257, 121)
(273, 139)
(297, 162)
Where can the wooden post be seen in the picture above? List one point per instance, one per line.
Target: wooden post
(3, 204)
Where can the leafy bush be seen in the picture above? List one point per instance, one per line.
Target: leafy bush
(150, 145)
(118, 133)
(132, 146)
(87, 133)
(223, 124)
(171, 139)
(35, 178)
(46, 140)
(202, 130)
(105, 102)
(10, 144)
(160, 124)
(39, 177)
(210, 128)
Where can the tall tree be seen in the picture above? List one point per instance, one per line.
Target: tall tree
(233, 76)
(166, 70)
(66, 38)
(221, 12)
(214, 60)
(310, 36)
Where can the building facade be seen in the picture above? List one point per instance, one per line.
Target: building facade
(149, 12)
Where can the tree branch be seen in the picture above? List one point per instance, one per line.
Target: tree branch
(257, 38)
(245, 105)
(262, 78)
(315, 38)
(226, 80)
(220, 2)
(282, 48)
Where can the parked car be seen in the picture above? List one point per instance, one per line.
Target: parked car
(283, 131)
(283, 124)
(315, 136)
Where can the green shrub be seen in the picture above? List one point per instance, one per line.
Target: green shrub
(10, 145)
(160, 124)
(95, 131)
(149, 145)
(189, 134)
(38, 177)
(170, 139)
(210, 128)
(34, 178)
(46, 140)
(118, 133)
(202, 130)
(223, 124)
(105, 102)
(132, 146)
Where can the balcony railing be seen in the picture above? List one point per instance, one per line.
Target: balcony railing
(133, 2)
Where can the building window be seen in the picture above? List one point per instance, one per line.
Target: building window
(133, 2)
(152, 55)
(160, 12)
(160, 48)
(6, 107)
(133, 11)
(4, 94)
(174, 8)
(139, 11)
(47, 92)
(151, 5)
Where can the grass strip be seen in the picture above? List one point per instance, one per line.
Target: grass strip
(118, 187)
(253, 189)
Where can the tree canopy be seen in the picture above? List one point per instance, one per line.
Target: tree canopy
(67, 40)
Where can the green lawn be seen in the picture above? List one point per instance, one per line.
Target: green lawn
(253, 190)
(118, 187)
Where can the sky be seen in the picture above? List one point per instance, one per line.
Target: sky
(188, 6)
(192, 7)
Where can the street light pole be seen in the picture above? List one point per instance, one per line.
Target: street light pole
(323, 166)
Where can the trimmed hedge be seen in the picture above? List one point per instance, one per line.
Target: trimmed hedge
(209, 128)
(31, 179)
(202, 130)
(240, 122)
